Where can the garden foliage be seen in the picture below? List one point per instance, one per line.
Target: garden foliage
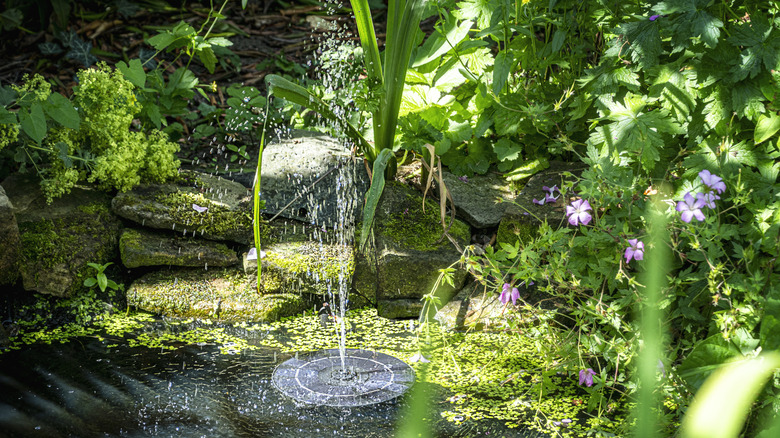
(87, 138)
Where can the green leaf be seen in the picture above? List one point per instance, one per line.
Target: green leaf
(281, 87)
(89, 282)
(33, 122)
(134, 72)
(442, 41)
(102, 281)
(220, 41)
(506, 149)
(728, 393)
(7, 117)
(501, 68)
(59, 108)
(81, 51)
(528, 169)
(479, 11)
(767, 126)
(644, 41)
(207, 57)
(374, 193)
(705, 358)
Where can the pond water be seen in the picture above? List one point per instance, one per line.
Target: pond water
(101, 385)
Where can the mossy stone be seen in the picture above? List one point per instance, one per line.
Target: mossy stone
(215, 294)
(59, 239)
(408, 249)
(140, 247)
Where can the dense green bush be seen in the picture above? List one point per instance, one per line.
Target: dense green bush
(86, 139)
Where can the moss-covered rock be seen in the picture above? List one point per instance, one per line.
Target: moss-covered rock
(172, 207)
(409, 250)
(482, 199)
(10, 244)
(139, 247)
(215, 294)
(304, 267)
(58, 240)
(522, 219)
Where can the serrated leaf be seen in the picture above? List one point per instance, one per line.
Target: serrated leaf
(479, 11)
(644, 41)
(747, 100)
(207, 57)
(33, 122)
(161, 41)
(59, 108)
(220, 41)
(766, 127)
(442, 41)
(134, 72)
(705, 358)
(506, 149)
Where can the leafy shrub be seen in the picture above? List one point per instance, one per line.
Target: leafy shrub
(86, 139)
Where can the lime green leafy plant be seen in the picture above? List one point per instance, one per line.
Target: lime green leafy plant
(86, 138)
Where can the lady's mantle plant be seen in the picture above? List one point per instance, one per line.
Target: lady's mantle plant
(86, 139)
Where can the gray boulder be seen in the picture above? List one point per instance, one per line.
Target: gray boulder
(522, 219)
(482, 199)
(58, 240)
(139, 247)
(408, 252)
(317, 176)
(9, 241)
(175, 207)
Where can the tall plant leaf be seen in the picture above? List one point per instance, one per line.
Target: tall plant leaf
(403, 23)
(723, 402)
(374, 193)
(367, 38)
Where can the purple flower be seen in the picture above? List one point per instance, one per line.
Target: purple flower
(506, 294)
(709, 199)
(464, 178)
(690, 207)
(578, 212)
(586, 377)
(654, 17)
(198, 208)
(712, 181)
(635, 250)
(548, 197)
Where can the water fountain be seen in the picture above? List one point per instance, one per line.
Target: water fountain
(343, 377)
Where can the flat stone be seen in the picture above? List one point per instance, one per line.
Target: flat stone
(60, 239)
(408, 250)
(224, 295)
(139, 247)
(482, 199)
(171, 207)
(521, 220)
(10, 244)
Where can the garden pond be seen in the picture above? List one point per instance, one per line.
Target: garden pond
(140, 375)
